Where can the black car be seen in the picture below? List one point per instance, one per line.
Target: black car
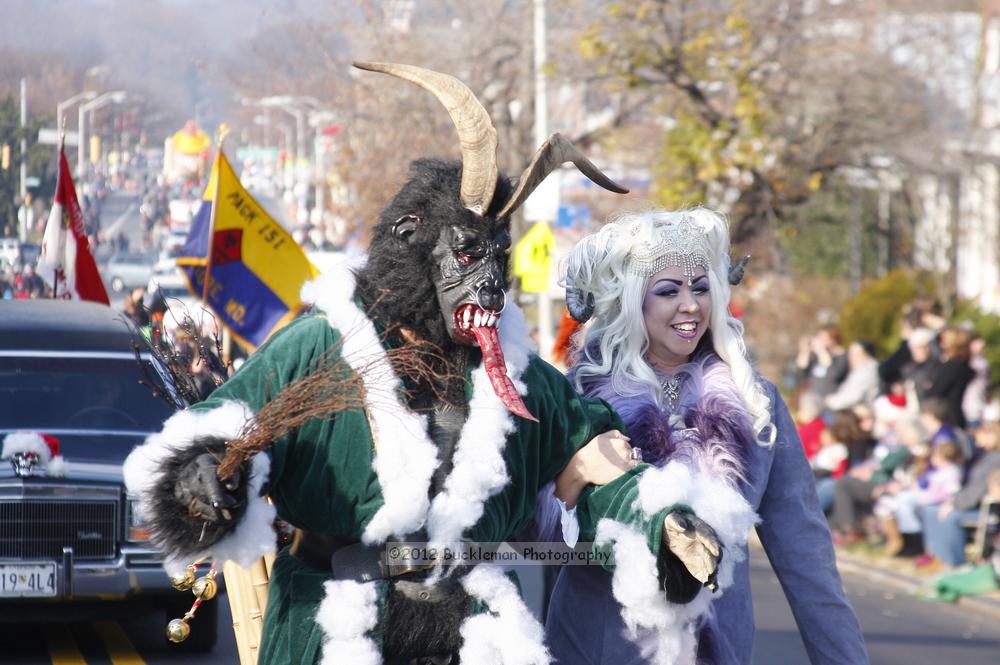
(70, 540)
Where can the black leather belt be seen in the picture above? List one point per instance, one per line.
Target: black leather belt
(351, 560)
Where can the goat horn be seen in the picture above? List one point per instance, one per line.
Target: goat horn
(475, 129)
(553, 153)
(580, 306)
(736, 271)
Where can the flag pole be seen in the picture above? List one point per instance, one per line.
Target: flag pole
(59, 158)
(220, 134)
(227, 339)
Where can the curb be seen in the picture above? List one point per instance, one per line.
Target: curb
(988, 604)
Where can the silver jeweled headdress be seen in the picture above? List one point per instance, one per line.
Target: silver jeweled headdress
(680, 243)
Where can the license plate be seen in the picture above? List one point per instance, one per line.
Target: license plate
(27, 579)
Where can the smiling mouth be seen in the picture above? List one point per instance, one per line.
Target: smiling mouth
(686, 330)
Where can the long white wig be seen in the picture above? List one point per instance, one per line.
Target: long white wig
(616, 342)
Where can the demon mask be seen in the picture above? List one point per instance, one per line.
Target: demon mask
(439, 254)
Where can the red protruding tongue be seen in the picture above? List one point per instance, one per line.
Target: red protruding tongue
(496, 369)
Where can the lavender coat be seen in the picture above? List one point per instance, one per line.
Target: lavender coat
(584, 623)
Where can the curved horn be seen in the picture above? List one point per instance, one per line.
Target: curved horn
(736, 271)
(554, 153)
(580, 308)
(475, 129)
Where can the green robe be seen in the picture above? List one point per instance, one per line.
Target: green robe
(322, 477)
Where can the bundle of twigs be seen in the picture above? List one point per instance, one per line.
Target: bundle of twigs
(176, 360)
(332, 386)
(329, 387)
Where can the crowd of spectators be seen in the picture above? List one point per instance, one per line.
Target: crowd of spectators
(21, 283)
(906, 450)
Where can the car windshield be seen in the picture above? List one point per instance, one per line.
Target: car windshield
(46, 394)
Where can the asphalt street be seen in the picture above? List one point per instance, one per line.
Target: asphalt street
(899, 630)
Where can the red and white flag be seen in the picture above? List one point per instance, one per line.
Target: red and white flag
(66, 262)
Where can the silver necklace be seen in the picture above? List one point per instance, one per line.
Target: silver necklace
(671, 391)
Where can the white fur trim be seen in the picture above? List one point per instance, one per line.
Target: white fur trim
(508, 634)
(348, 612)
(254, 536)
(663, 631)
(711, 499)
(26, 442)
(479, 469)
(57, 468)
(405, 457)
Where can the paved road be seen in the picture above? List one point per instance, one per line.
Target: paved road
(120, 215)
(899, 629)
(138, 641)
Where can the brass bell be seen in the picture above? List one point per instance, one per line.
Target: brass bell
(178, 630)
(205, 588)
(185, 581)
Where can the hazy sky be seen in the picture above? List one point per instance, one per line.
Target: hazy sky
(172, 51)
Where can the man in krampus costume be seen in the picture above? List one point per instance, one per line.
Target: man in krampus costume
(441, 427)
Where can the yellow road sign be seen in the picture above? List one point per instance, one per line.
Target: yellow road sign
(533, 258)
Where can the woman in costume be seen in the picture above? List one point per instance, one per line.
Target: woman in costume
(715, 438)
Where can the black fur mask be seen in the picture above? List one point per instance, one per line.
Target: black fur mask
(429, 255)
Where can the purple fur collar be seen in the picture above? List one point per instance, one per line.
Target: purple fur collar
(716, 434)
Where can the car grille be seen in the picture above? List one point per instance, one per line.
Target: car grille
(41, 529)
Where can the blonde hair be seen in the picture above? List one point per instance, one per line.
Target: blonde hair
(616, 342)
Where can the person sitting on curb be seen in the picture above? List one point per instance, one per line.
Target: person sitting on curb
(944, 534)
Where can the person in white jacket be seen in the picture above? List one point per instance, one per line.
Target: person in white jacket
(860, 386)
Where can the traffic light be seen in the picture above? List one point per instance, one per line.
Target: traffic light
(5, 157)
(95, 149)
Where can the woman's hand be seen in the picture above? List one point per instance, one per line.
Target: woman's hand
(603, 459)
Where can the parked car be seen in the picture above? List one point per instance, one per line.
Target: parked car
(71, 543)
(124, 272)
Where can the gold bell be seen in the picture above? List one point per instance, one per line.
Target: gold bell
(178, 630)
(185, 581)
(205, 588)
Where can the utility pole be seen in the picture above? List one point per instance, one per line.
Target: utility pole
(24, 160)
(541, 134)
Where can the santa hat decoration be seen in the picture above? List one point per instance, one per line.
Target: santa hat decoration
(43, 446)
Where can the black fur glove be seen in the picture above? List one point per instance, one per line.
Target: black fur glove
(192, 510)
(199, 489)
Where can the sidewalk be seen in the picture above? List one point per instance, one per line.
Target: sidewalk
(900, 574)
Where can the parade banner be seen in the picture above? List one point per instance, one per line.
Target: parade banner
(241, 262)
(66, 262)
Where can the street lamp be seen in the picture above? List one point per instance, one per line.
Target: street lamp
(286, 132)
(290, 105)
(114, 97)
(63, 105)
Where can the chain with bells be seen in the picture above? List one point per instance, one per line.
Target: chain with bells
(204, 588)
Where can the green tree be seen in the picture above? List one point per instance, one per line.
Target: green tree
(987, 325)
(874, 313)
(40, 162)
(763, 102)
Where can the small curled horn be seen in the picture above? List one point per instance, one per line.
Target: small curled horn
(736, 271)
(554, 153)
(580, 307)
(475, 129)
